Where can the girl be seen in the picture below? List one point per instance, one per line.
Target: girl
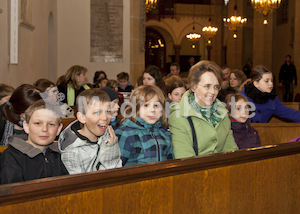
(143, 137)
(260, 91)
(175, 88)
(244, 135)
(14, 110)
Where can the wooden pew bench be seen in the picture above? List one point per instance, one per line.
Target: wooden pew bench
(261, 180)
(276, 133)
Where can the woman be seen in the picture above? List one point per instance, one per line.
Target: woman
(152, 76)
(74, 83)
(236, 78)
(260, 91)
(199, 123)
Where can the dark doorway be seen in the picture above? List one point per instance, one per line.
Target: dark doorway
(155, 50)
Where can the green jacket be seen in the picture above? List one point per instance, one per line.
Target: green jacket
(210, 139)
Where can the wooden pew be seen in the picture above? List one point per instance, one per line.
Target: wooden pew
(261, 180)
(276, 132)
(66, 121)
(293, 105)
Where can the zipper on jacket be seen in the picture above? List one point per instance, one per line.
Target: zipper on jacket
(46, 160)
(158, 150)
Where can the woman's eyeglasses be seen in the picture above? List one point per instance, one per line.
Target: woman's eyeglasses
(209, 86)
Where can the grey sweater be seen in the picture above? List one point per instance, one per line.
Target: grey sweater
(80, 155)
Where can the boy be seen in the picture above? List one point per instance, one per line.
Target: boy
(89, 143)
(37, 157)
(124, 84)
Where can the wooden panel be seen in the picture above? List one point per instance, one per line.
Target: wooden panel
(261, 180)
(293, 105)
(66, 121)
(276, 133)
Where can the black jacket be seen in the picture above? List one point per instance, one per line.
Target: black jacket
(22, 162)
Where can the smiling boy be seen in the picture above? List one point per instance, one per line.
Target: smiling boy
(38, 157)
(89, 143)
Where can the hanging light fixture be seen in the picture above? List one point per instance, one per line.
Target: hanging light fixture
(194, 36)
(235, 22)
(150, 5)
(209, 31)
(265, 7)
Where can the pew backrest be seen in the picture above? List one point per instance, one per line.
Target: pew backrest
(276, 133)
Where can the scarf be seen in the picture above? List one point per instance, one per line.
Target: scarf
(71, 93)
(257, 96)
(210, 113)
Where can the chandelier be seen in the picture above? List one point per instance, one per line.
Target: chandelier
(265, 7)
(235, 22)
(209, 31)
(193, 37)
(150, 5)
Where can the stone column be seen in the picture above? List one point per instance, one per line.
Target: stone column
(262, 40)
(177, 53)
(297, 45)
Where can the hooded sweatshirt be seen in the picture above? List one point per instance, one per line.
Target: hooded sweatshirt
(142, 142)
(22, 162)
(81, 155)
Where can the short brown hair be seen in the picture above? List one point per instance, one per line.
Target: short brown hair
(240, 75)
(122, 76)
(87, 97)
(147, 92)
(41, 104)
(174, 82)
(200, 68)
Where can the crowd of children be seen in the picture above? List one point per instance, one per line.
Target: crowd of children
(116, 123)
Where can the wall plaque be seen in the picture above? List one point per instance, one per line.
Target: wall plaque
(106, 31)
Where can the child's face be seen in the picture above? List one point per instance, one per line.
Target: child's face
(52, 94)
(42, 128)
(95, 120)
(151, 111)
(176, 94)
(115, 107)
(103, 83)
(265, 84)
(123, 83)
(240, 114)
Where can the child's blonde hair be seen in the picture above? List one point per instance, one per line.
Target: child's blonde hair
(143, 94)
(41, 104)
(87, 97)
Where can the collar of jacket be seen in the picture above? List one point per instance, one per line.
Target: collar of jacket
(257, 96)
(186, 110)
(235, 125)
(27, 148)
(143, 124)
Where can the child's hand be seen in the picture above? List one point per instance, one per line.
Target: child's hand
(113, 137)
